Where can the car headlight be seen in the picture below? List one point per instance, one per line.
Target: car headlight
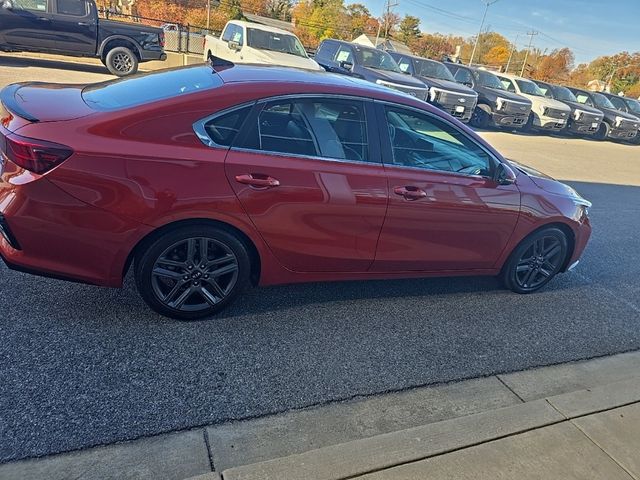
(578, 113)
(543, 109)
(619, 121)
(500, 103)
(434, 94)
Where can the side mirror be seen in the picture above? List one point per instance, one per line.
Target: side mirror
(346, 65)
(505, 175)
(7, 5)
(234, 45)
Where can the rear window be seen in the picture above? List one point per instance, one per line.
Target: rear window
(147, 88)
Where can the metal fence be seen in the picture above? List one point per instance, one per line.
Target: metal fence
(179, 37)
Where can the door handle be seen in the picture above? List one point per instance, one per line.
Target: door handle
(410, 192)
(83, 24)
(257, 180)
(44, 19)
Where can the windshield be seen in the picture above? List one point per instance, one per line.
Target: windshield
(429, 68)
(602, 102)
(634, 105)
(276, 42)
(487, 79)
(529, 88)
(564, 94)
(149, 87)
(374, 58)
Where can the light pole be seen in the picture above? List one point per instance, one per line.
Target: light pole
(208, 14)
(532, 33)
(487, 4)
(513, 49)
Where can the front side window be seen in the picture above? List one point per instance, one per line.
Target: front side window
(377, 59)
(634, 105)
(422, 141)
(75, 8)
(583, 98)
(404, 64)
(344, 54)
(564, 94)
(429, 68)
(489, 80)
(335, 129)
(602, 102)
(233, 33)
(530, 88)
(507, 84)
(618, 103)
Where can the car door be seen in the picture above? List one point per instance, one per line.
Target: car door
(27, 25)
(308, 173)
(446, 212)
(76, 25)
(234, 35)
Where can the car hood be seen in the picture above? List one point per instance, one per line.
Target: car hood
(547, 183)
(583, 107)
(447, 85)
(278, 58)
(546, 102)
(394, 77)
(508, 95)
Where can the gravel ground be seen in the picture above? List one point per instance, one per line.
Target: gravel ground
(82, 366)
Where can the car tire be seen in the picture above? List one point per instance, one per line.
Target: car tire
(121, 61)
(479, 118)
(528, 127)
(536, 260)
(603, 132)
(177, 280)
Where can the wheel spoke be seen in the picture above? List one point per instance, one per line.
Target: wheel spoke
(171, 263)
(220, 261)
(552, 251)
(206, 294)
(191, 250)
(182, 298)
(169, 297)
(529, 277)
(232, 267)
(163, 272)
(204, 247)
(221, 293)
(544, 272)
(523, 268)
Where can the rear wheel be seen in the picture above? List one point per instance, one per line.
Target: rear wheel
(121, 61)
(537, 259)
(192, 272)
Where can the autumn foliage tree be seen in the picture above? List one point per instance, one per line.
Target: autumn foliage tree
(555, 67)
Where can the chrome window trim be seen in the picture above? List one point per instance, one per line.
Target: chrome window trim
(437, 117)
(308, 157)
(201, 133)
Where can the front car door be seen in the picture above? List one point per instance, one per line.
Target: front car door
(76, 25)
(446, 213)
(27, 25)
(308, 173)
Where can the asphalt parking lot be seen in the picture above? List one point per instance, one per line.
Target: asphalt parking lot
(82, 366)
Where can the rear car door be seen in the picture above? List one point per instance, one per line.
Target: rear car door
(76, 26)
(27, 25)
(446, 212)
(308, 173)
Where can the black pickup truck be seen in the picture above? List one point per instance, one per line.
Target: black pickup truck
(72, 27)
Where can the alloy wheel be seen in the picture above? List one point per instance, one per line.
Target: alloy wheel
(194, 274)
(539, 262)
(122, 62)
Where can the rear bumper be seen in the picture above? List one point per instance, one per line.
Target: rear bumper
(149, 55)
(50, 233)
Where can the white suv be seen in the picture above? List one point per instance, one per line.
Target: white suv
(546, 113)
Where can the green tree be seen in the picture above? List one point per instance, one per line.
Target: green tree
(409, 29)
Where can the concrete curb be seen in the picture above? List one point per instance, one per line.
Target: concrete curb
(364, 456)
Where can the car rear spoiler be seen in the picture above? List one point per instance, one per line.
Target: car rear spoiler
(8, 99)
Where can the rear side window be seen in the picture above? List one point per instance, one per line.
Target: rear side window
(76, 8)
(150, 87)
(223, 129)
(334, 129)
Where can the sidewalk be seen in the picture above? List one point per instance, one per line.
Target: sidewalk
(579, 420)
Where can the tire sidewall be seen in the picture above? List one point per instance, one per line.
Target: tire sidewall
(509, 269)
(109, 61)
(149, 253)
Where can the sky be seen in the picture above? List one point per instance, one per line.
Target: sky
(591, 28)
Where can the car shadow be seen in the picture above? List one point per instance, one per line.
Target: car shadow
(25, 62)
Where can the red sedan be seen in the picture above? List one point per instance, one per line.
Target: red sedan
(208, 180)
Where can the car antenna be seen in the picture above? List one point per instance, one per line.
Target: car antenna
(218, 64)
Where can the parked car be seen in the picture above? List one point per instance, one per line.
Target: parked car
(617, 125)
(546, 113)
(210, 181)
(246, 42)
(72, 27)
(496, 106)
(444, 92)
(583, 120)
(627, 105)
(369, 64)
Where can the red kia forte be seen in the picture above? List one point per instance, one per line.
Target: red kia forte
(207, 180)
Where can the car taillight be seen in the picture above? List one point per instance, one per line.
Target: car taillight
(37, 156)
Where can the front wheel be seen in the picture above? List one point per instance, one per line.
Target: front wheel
(192, 272)
(480, 118)
(536, 260)
(603, 132)
(121, 61)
